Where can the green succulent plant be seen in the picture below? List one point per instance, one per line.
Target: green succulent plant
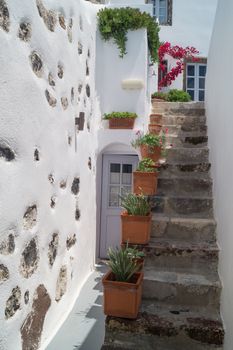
(135, 204)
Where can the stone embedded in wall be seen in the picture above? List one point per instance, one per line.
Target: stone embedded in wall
(80, 87)
(70, 241)
(7, 246)
(26, 297)
(62, 21)
(63, 184)
(51, 100)
(4, 16)
(51, 178)
(80, 121)
(87, 69)
(61, 283)
(88, 90)
(80, 23)
(4, 273)
(88, 125)
(13, 303)
(88, 53)
(36, 155)
(30, 217)
(69, 140)
(64, 103)
(30, 259)
(6, 153)
(69, 30)
(89, 163)
(77, 214)
(25, 31)
(72, 95)
(36, 63)
(53, 247)
(80, 48)
(53, 202)
(32, 327)
(75, 186)
(49, 17)
(60, 70)
(51, 79)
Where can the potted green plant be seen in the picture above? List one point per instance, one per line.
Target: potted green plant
(122, 285)
(151, 145)
(121, 120)
(145, 178)
(136, 219)
(134, 253)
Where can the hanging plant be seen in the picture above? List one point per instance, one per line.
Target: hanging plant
(114, 23)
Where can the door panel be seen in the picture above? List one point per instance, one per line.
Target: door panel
(116, 181)
(195, 81)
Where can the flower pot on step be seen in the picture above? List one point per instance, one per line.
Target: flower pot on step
(121, 123)
(155, 128)
(145, 182)
(135, 229)
(156, 118)
(122, 299)
(152, 152)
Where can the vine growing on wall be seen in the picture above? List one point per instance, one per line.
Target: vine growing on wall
(180, 54)
(115, 24)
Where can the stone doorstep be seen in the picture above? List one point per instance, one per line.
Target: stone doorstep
(169, 323)
(184, 229)
(181, 288)
(179, 105)
(186, 206)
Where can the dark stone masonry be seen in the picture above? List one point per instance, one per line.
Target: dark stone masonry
(30, 217)
(49, 17)
(51, 100)
(6, 153)
(30, 259)
(61, 283)
(25, 31)
(75, 186)
(4, 16)
(53, 247)
(36, 63)
(13, 303)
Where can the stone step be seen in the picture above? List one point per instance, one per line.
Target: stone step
(179, 108)
(179, 130)
(170, 328)
(191, 206)
(181, 256)
(181, 169)
(181, 120)
(184, 289)
(187, 141)
(183, 229)
(181, 186)
(187, 155)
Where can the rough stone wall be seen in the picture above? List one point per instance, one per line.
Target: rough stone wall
(48, 114)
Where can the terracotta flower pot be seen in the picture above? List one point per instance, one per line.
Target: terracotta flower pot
(144, 182)
(135, 229)
(155, 128)
(152, 152)
(156, 118)
(121, 123)
(122, 299)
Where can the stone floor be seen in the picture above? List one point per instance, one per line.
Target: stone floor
(85, 326)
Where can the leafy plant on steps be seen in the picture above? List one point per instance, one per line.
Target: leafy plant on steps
(173, 95)
(147, 165)
(150, 140)
(114, 23)
(120, 115)
(135, 204)
(121, 264)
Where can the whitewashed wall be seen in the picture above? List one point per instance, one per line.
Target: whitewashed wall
(27, 123)
(220, 125)
(192, 24)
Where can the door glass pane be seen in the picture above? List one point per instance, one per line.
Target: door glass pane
(162, 3)
(201, 83)
(191, 93)
(190, 83)
(127, 174)
(114, 192)
(162, 12)
(126, 190)
(202, 71)
(115, 170)
(191, 71)
(201, 95)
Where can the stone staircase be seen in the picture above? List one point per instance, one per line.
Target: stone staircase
(181, 292)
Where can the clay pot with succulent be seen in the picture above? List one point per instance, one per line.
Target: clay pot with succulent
(122, 285)
(136, 219)
(145, 178)
(121, 120)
